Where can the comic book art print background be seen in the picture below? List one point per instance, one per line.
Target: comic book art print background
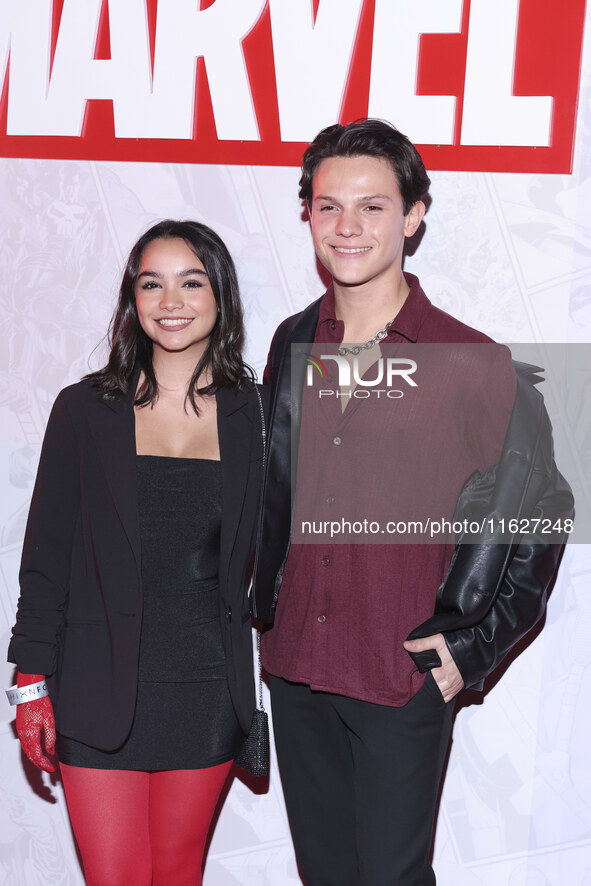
(116, 114)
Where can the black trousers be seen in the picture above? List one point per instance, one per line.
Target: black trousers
(360, 783)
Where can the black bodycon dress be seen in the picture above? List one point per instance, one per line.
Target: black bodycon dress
(184, 718)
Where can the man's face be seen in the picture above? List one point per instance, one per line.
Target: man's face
(358, 222)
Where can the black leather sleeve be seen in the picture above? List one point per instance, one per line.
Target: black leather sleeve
(521, 599)
(275, 511)
(274, 529)
(495, 591)
(519, 605)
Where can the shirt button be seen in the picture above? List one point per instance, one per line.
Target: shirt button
(322, 619)
(326, 561)
(336, 441)
(330, 500)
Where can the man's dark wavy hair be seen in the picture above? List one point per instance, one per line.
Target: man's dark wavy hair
(373, 138)
(130, 346)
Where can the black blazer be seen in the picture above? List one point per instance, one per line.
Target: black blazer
(80, 609)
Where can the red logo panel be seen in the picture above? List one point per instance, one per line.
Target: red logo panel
(502, 77)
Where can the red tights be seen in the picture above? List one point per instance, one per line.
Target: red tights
(142, 828)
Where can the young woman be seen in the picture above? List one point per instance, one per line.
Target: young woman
(133, 582)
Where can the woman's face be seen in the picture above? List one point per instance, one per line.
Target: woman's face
(175, 302)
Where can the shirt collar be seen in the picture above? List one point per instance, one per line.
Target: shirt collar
(407, 322)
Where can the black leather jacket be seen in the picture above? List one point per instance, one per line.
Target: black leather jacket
(493, 593)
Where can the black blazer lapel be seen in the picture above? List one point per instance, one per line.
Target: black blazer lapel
(113, 428)
(235, 432)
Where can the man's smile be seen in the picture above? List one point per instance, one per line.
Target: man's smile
(351, 250)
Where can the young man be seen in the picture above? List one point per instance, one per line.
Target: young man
(372, 642)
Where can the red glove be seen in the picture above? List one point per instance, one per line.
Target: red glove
(32, 718)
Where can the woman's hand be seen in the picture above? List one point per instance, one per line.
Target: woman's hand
(33, 718)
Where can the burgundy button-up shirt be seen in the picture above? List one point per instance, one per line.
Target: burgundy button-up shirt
(344, 610)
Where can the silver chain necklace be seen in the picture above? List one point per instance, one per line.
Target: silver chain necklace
(356, 349)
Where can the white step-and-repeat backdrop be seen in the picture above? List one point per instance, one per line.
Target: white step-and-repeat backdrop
(201, 110)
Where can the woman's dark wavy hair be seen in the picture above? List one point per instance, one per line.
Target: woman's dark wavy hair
(130, 346)
(374, 138)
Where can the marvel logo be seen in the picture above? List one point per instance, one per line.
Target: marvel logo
(250, 81)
